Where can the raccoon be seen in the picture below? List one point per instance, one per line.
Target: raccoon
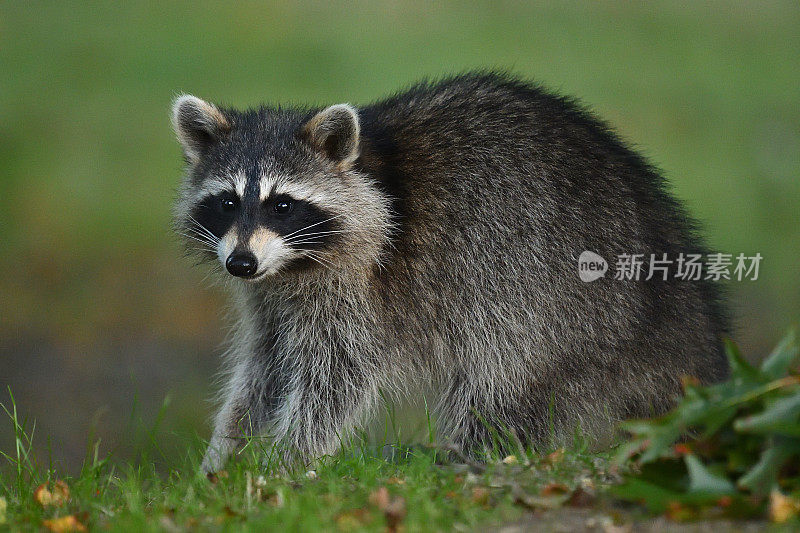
(432, 239)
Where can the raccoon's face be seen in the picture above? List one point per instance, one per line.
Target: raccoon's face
(271, 191)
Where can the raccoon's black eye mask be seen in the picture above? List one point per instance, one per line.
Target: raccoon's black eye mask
(280, 213)
(289, 216)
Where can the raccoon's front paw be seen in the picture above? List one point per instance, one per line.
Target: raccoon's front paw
(212, 463)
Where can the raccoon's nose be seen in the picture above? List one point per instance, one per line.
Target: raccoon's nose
(241, 264)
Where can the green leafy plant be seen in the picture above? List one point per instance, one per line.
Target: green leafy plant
(731, 448)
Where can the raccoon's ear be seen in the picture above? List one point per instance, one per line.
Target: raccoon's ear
(198, 125)
(335, 132)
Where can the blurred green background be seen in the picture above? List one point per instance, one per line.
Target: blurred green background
(102, 318)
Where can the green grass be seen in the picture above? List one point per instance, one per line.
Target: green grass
(426, 488)
(727, 451)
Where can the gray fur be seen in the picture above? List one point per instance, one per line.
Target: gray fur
(461, 208)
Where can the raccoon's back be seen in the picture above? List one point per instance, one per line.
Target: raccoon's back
(498, 186)
(492, 156)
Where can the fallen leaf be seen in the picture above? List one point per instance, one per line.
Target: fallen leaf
(689, 381)
(681, 449)
(64, 524)
(277, 499)
(581, 498)
(379, 498)
(51, 493)
(480, 495)
(554, 489)
(395, 513)
(510, 460)
(3, 507)
(537, 502)
(678, 512)
(782, 507)
(396, 481)
(556, 457)
(394, 509)
(352, 519)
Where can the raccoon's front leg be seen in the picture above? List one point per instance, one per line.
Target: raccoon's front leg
(322, 408)
(250, 399)
(227, 436)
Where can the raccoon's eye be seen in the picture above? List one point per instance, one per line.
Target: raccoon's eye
(227, 204)
(283, 206)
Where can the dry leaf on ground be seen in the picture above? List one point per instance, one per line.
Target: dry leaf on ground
(394, 509)
(556, 456)
(554, 489)
(51, 493)
(781, 507)
(64, 524)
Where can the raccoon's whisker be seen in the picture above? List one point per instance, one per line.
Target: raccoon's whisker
(195, 225)
(196, 234)
(315, 257)
(321, 260)
(201, 239)
(316, 234)
(306, 234)
(304, 242)
(197, 222)
(204, 229)
(205, 242)
(317, 261)
(211, 245)
(312, 225)
(205, 250)
(208, 238)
